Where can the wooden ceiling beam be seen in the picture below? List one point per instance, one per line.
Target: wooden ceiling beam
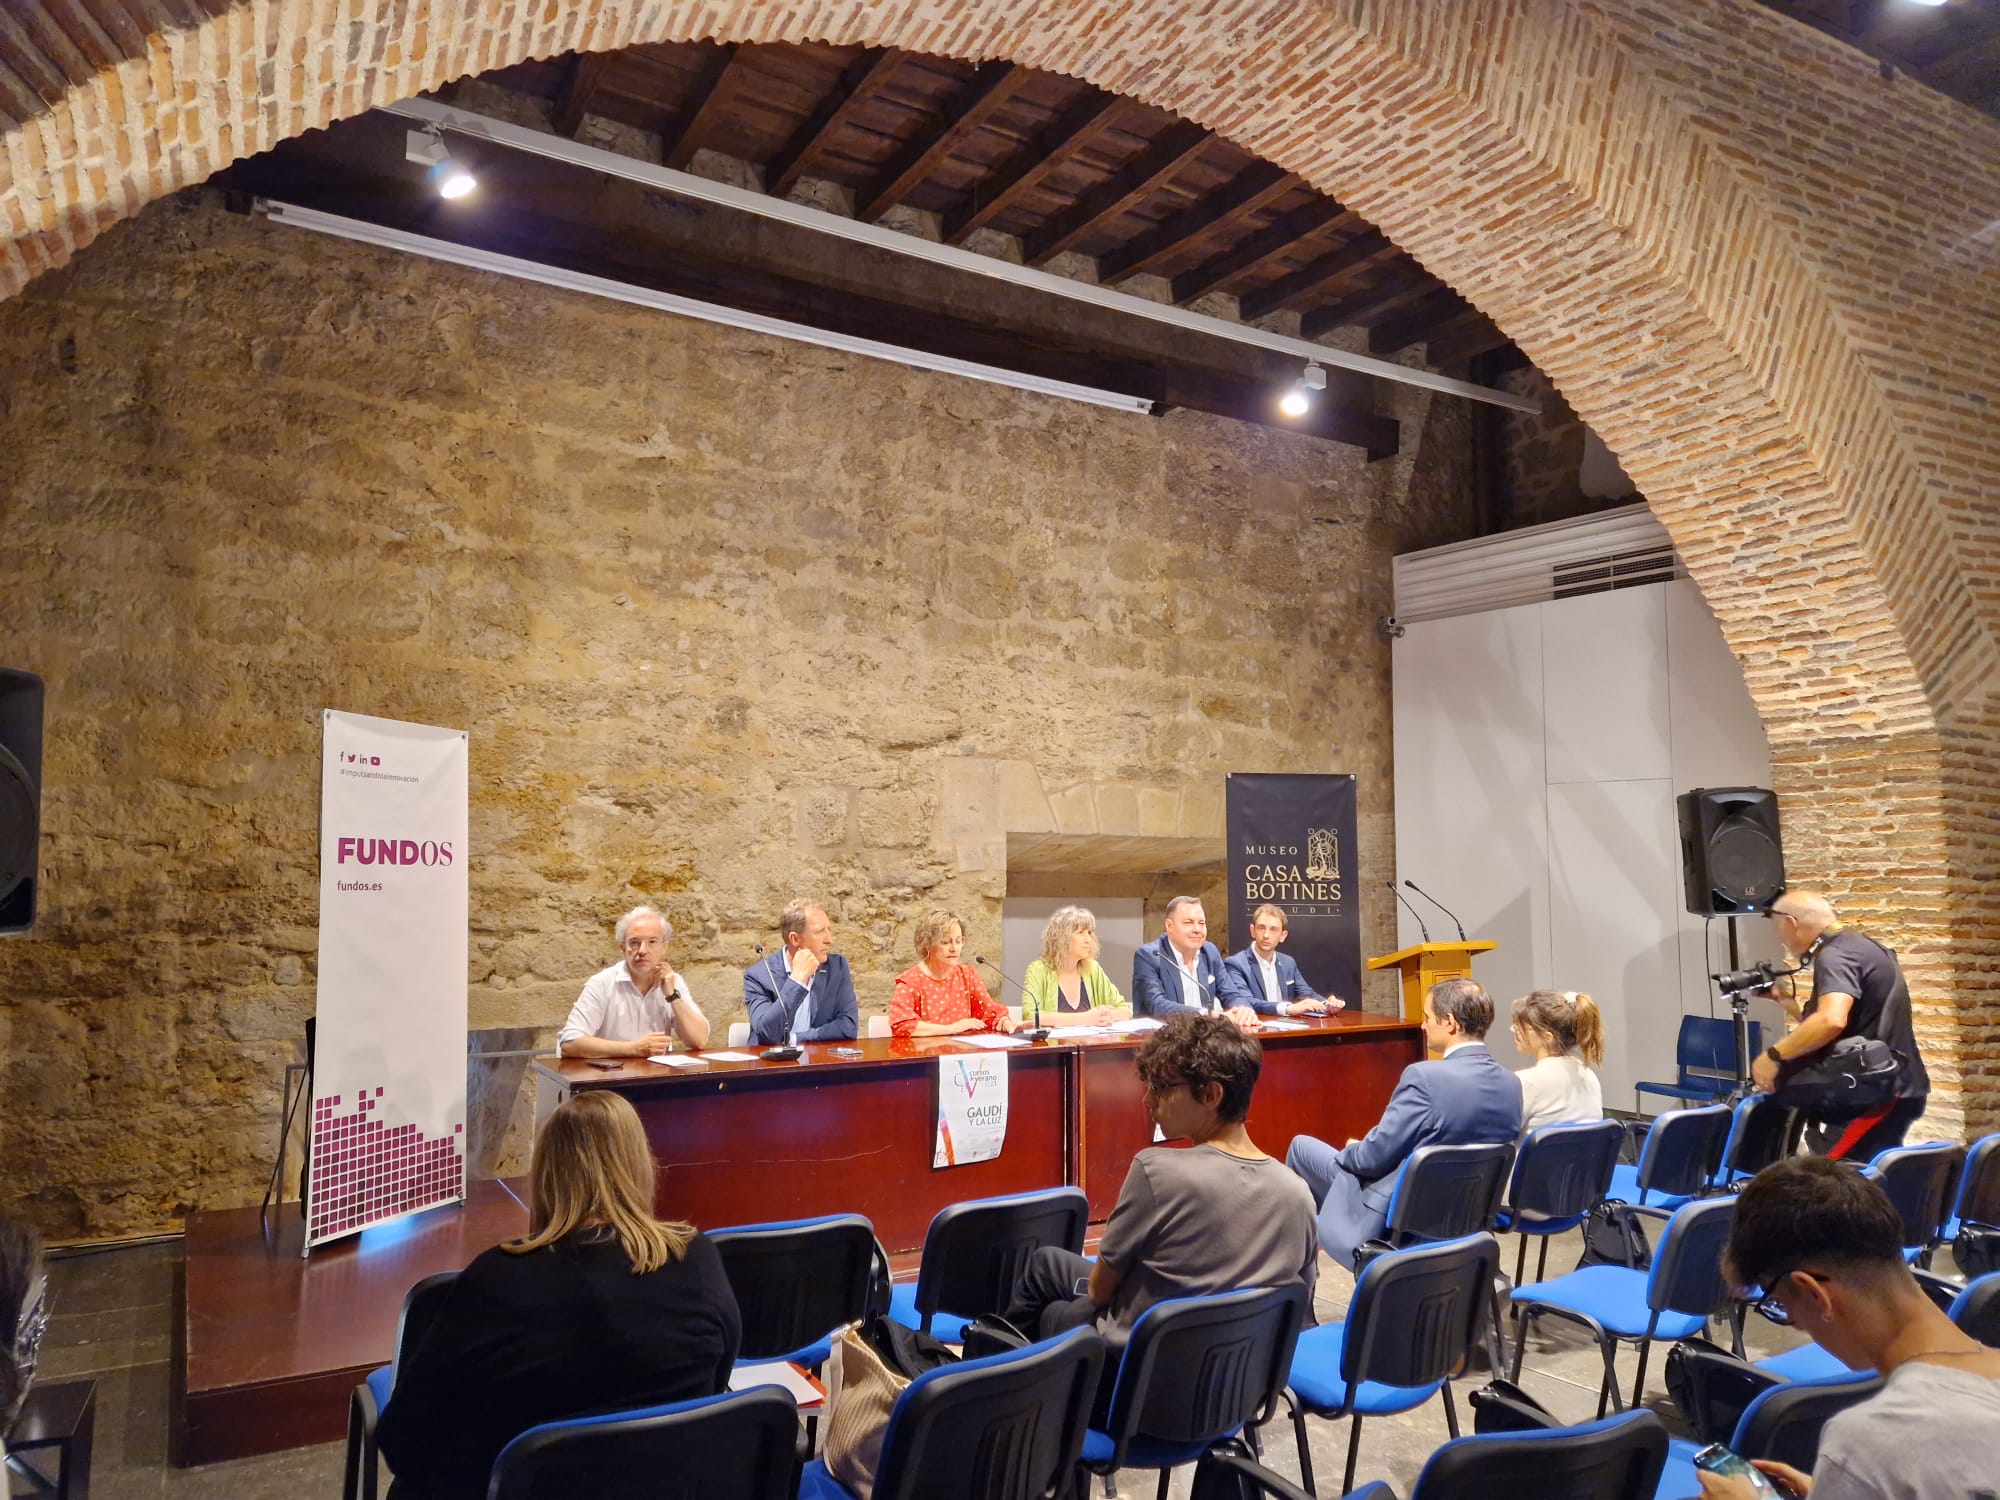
(859, 84)
(1249, 255)
(1432, 314)
(1314, 278)
(1403, 284)
(1028, 167)
(976, 102)
(725, 72)
(1144, 175)
(1468, 341)
(584, 83)
(1257, 186)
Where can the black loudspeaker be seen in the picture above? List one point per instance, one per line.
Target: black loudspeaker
(1731, 860)
(20, 797)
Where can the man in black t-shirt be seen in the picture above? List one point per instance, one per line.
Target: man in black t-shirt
(1858, 990)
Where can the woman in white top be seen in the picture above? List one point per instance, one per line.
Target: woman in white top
(1562, 1029)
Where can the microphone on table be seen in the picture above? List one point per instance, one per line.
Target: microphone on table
(1439, 905)
(1425, 931)
(1038, 1031)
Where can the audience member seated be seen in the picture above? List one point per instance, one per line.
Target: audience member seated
(1215, 1217)
(1825, 1246)
(938, 995)
(639, 1005)
(1182, 970)
(602, 1308)
(1067, 981)
(806, 993)
(1463, 1099)
(1563, 1032)
(1272, 979)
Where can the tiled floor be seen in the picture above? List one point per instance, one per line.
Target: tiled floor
(113, 1318)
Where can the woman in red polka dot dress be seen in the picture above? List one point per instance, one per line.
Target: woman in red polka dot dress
(939, 996)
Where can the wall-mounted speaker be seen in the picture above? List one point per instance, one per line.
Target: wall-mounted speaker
(1731, 860)
(20, 797)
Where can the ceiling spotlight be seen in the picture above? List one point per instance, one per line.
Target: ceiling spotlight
(1927, 2)
(427, 149)
(1298, 400)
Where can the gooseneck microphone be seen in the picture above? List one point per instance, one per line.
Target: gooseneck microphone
(1037, 1031)
(1439, 905)
(1425, 931)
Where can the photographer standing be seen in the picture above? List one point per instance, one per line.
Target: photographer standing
(1858, 991)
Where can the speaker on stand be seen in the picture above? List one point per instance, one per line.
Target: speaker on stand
(1732, 865)
(20, 798)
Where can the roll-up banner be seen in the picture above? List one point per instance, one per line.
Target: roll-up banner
(388, 1115)
(1291, 845)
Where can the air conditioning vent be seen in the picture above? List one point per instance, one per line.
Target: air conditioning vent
(1614, 549)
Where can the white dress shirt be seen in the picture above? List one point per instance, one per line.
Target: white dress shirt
(1191, 990)
(612, 1008)
(1272, 991)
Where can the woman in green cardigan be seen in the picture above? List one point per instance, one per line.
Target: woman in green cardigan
(1067, 980)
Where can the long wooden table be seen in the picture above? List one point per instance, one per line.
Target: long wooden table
(848, 1126)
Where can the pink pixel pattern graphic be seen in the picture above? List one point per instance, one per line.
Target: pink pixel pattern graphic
(364, 1172)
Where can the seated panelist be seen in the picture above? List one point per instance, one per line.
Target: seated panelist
(639, 1005)
(1067, 981)
(1275, 985)
(1182, 970)
(938, 995)
(805, 993)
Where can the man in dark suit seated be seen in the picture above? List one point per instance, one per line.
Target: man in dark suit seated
(805, 994)
(1182, 970)
(1272, 979)
(1463, 1099)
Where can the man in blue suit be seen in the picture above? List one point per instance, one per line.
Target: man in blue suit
(1270, 978)
(1465, 1098)
(805, 994)
(1182, 970)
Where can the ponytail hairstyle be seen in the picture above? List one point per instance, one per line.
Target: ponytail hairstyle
(1567, 1021)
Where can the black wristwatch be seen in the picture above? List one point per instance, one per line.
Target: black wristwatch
(1772, 1053)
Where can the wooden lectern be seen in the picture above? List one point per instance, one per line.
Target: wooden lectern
(1425, 964)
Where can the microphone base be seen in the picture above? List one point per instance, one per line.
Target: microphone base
(1034, 1034)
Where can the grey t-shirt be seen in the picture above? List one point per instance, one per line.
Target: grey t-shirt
(1196, 1220)
(1932, 1434)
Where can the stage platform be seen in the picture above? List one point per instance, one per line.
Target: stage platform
(269, 1344)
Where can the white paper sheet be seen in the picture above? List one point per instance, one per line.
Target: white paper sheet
(675, 1060)
(1137, 1023)
(1081, 1031)
(992, 1041)
(781, 1373)
(730, 1056)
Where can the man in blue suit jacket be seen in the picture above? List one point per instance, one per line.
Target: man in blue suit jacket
(1293, 996)
(807, 993)
(1181, 970)
(1464, 1099)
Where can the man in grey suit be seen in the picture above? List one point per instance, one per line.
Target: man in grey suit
(1464, 1099)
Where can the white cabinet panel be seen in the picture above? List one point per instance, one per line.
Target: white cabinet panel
(1604, 672)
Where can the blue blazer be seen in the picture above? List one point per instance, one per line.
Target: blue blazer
(1466, 1099)
(1291, 983)
(1156, 980)
(773, 997)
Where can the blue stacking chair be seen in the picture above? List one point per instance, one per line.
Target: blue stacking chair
(1920, 1181)
(1414, 1314)
(1561, 1173)
(1761, 1132)
(1671, 1301)
(974, 1252)
(361, 1466)
(1978, 1200)
(741, 1446)
(1198, 1370)
(1977, 1309)
(795, 1282)
(1781, 1424)
(1705, 1057)
(1007, 1427)
(1444, 1193)
(1682, 1154)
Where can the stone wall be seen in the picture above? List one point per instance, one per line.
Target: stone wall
(727, 619)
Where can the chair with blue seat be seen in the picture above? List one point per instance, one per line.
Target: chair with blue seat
(736, 1446)
(1443, 1193)
(795, 1282)
(1761, 1132)
(1670, 1301)
(1006, 1427)
(1782, 1424)
(1682, 1154)
(1414, 1314)
(1977, 1309)
(1921, 1182)
(1561, 1173)
(974, 1252)
(360, 1468)
(1197, 1370)
(1978, 1200)
(1705, 1057)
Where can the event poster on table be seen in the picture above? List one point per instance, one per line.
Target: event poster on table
(972, 1108)
(388, 1117)
(1291, 843)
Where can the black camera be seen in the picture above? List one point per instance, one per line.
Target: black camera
(1753, 980)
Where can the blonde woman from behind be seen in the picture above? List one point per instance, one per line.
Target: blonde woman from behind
(1562, 1031)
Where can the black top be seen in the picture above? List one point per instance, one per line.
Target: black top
(565, 1331)
(1852, 963)
(1063, 1007)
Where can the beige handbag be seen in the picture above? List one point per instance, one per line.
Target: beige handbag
(860, 1393)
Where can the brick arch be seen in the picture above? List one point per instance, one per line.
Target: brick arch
(1780, 315)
